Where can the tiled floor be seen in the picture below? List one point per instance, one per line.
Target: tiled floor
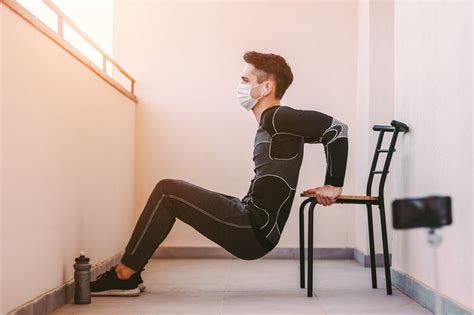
(263, 286)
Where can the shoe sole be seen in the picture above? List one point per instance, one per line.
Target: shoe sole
(116, 292)
(141, 287)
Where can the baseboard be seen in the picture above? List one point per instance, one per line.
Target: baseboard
(51, 300)
(364, 259)
(276, 253)
(425, 295)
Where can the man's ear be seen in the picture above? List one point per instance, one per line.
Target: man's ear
(269, 88)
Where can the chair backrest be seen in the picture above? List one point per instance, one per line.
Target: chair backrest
(395, 128)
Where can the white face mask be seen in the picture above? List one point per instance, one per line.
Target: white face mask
(245, 99)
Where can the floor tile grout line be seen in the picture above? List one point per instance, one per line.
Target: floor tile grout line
(225, 286)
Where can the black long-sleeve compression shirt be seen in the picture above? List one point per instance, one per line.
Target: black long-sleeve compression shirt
(278, 154)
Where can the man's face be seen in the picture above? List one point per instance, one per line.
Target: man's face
(248, 77)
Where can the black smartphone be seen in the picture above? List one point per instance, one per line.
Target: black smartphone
(431, 212)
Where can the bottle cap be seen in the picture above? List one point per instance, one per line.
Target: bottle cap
(82, 259)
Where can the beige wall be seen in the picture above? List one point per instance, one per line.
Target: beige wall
(67, 163)
(188, 58)
(433, 82)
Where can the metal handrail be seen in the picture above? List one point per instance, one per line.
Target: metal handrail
(63, 18)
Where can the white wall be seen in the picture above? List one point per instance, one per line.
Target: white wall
(187, 57)
(361, 136)
(415, 65)
(67, 163)
(433, 95)
(374, 107)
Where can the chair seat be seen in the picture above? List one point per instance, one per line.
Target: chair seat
(345, 197)
(358, 197)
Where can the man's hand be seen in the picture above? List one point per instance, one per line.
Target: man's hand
(325, 195)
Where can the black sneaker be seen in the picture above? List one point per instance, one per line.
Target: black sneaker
(141, 285)
(107, 284)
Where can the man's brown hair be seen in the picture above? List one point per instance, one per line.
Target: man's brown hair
(271, 66)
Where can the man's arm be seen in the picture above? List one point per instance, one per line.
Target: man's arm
(315, 127)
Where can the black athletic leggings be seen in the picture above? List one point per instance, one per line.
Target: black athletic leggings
(221, 218)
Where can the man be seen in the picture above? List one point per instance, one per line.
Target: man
(250, 227)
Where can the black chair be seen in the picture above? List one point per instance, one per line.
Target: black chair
(368, 200)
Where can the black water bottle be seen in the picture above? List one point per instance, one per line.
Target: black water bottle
(82, 279)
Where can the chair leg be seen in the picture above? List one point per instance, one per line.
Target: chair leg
(310, 248)
(385, 249)
(372, 247)
(302, 267)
